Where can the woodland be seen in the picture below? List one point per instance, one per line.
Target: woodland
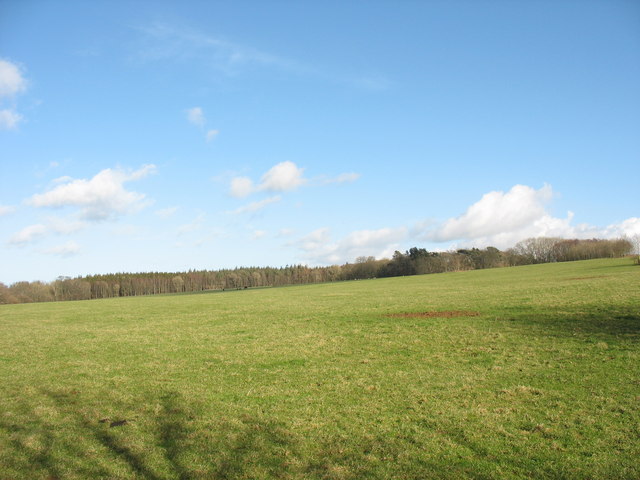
(415, 261)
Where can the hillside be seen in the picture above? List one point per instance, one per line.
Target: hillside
(502, 373)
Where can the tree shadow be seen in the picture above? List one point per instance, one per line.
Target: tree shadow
(36, 442)
(242, 447)
(173, 431)
(605, 321)
(252, 446)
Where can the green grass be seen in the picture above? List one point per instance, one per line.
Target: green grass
(317, 382)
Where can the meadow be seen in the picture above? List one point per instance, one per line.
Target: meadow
(517, 372)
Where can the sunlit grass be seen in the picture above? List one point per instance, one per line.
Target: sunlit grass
(319, 381)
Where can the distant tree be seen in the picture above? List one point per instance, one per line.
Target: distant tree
(365, 267)
(635, 243)
(100, 289)
(399, 265)
(537, 250)
(6, 296)
(22, 291)
(178, 283)
(79, 289)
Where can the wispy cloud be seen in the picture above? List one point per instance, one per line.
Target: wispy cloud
(162, 41)
(195, 115)
(63, 179)
(212, 134)
(12, 83)
(285, 232)
(342, 178)
(205, 237)
(166, 212)
(28, 234)
(68, 249)
(6, 210)
(193, 226)
(127, 230)
(256, 206)
(9, 119)
(53, 225)
(258, 234)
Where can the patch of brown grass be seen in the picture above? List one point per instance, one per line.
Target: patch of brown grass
(441, 314)
(589, 277)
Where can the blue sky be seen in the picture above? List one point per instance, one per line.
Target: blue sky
(164, 136)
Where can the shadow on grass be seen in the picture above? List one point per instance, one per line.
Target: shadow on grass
(252, 448)
(602, 321)
(58, 440)
(36, 444)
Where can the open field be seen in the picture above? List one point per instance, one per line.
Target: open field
(534, 372)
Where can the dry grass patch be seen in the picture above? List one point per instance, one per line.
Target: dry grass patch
(441, 314)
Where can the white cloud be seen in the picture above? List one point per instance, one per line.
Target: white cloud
(99, 198)
(282, 177)
(629, 227)
(166, 212)
(28, 234)
(66, 250)
(9, 119)
(65, 226)
(6, 210)
(497, 212)
(258, 234)
(502, 219)
(63, 179)
(255, 206)
(212, 134)
(11, 80)
(195, 115)
(241, 187)
(319, 248)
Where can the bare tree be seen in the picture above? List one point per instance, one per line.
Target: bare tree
(635, 241)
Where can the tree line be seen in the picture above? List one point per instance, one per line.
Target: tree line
(415, 261)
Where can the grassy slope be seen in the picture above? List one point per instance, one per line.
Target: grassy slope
(316, 382)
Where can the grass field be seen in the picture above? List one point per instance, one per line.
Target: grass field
(535, 374)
